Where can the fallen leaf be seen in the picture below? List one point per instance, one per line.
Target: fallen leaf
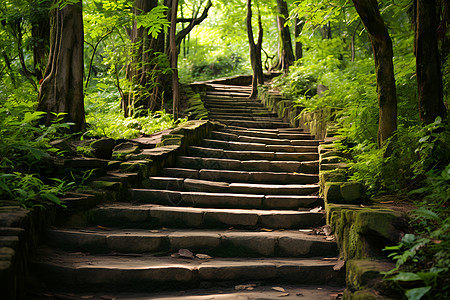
(278, 289)
(266, 229)
(387, 202)
(329, 238)
(245, 287)
(154, 231)
(203, 256)
(305, 230)
(283, 295)
(340, 263)
(361, 205)
(185, 253)
(330, 258)
(327, 229)
(316, 210)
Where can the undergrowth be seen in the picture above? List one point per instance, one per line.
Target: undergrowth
(104, 118)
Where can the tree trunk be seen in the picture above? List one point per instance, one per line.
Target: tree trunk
(40, 33)
(173, 59)
(139, 94)
(255, 51)
(382, 50)
(61, 90)
(298, 45)
(285, 53)
(428, 68)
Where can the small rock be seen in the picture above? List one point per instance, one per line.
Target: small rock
(278, 289)
(339, 265)
(203, 256)
(245, 287)
(185, 253)
(283, 295)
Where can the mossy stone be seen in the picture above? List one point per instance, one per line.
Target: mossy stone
(332, 192)
(121, 151)
(353, 192)
(331, 159)
(107, 185)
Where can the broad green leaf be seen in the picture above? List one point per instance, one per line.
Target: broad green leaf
(417, 293)
(406, 276)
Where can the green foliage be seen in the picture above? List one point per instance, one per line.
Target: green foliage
(155, 21)
(423, 259)
(24, 146)
(105, 119)
(415, 150)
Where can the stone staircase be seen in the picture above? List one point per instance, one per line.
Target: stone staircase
(231, 219)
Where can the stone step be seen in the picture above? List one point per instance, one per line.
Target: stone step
(238, 111)
(228, 87)
(227, 115)
(277, 140)
(199, 185)
(310, 167)
(216, 243)
(241, 146)
(114, 273)
(268, 134)
(155, 216)
(252, 124)
(278, 130)
(204, 193)
(241, 176)
(243, 290)
(246, 155)
(248, 117)
(228, 94)
(232, 104)
(217, 199)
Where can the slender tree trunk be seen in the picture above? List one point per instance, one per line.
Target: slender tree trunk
(298, 45)
(174, 59)
(286, 55)
(382, 50)
(61, 90)
(428, 68)
(255, 51)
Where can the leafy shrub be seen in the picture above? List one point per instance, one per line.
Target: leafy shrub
(422, 258)
(23, 147)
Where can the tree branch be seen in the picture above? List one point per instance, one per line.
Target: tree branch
(194, 22)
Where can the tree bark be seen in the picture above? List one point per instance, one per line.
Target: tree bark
(428, 67)
(61, 90)
(285, 53)
(255, 51)
(298, 45)
(40, 33)
(382, 50)
(140, 91)
(174, 59)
